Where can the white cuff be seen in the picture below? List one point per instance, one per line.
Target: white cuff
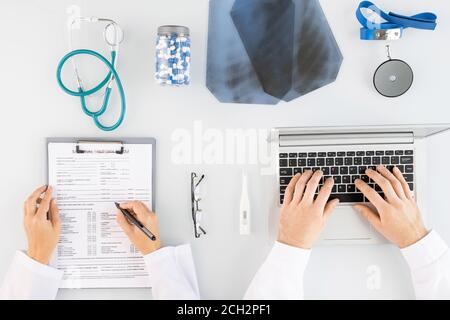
(290, 257)
(281, 275)
(172, 273)
(29, 279)
(425, 251)
(37, 268)
(155, 257)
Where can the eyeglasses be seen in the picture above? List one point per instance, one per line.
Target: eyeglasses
(195, 199)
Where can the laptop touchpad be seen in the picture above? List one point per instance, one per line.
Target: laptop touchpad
(346, 224)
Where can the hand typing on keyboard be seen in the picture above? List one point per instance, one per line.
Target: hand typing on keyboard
(398, 217)
(303, 215)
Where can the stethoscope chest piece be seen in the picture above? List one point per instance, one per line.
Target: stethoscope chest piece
(393, 77)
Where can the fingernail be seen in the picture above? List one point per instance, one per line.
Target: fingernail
(357, 180)
(46, 187)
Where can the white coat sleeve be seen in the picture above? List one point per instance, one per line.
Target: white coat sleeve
(29, 279)
(281, 275)
(172, 273)
(429, 262)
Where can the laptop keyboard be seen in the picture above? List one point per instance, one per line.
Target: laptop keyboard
(345, 167)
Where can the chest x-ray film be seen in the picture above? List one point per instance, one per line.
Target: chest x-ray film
(264, 51)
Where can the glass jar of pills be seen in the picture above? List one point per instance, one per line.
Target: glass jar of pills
(173, 55)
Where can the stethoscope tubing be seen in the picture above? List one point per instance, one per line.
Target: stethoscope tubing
(112, 74)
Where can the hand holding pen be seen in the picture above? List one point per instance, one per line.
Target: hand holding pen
(143, 229)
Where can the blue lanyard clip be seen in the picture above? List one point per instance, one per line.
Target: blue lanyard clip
(392, 28)
(388, 34)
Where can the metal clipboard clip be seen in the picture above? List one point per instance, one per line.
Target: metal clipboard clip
(119, 150)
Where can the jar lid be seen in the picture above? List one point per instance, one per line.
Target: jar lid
(172, 29)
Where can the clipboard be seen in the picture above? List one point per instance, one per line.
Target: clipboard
(92, 253)
(110, 142)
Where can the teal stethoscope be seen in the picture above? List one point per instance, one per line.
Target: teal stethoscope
(113, 36)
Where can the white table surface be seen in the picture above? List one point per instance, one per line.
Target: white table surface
(34, 38)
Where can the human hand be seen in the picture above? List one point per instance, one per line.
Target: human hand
(136, 236)
(302, 218)
(42, 224)
(398, 217)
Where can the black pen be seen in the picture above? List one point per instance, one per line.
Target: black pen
(136, 222)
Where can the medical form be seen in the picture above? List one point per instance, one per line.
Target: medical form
(93, 251)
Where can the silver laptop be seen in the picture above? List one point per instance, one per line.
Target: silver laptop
(344, 153)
